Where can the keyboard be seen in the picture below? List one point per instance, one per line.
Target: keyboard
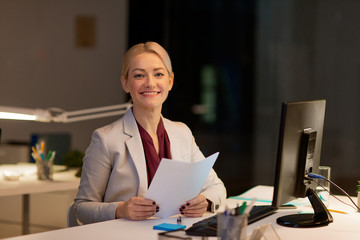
(208, 226)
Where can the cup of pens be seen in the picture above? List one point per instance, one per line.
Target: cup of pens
(232, 224)
(44, 162)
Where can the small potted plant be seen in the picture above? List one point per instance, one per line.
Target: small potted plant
(358, 193)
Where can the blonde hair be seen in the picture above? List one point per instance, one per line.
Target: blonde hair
(150, 47)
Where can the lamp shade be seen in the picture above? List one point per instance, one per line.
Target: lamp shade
(15, 113)
(58, 115)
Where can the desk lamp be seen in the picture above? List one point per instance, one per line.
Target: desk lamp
(59, 115)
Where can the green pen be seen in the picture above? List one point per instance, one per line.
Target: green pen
(48, 155)
(242, 208)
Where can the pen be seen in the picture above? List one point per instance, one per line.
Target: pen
(42, 156)
(35, 157)
(37, 147)
(226, 210)
(39, 152)
(36, 154)
(52, 156)
(42, 147)
(49, 155)
(337, 211)
(250, 206)
(242, 208)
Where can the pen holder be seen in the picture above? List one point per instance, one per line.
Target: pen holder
(232, 227)
(44, 170)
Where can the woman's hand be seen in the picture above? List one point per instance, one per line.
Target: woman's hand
(195, 207)
(136, 208)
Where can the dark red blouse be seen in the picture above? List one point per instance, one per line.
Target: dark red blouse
(152, 158)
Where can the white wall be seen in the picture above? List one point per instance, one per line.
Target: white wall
(40, 65)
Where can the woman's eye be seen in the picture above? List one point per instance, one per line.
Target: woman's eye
(159, 75)
(138, 76)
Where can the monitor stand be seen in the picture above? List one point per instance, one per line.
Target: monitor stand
(320, 217)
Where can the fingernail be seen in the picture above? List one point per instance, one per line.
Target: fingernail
(157, 208)
(182, 213)
(187, 204)
(154, 203)
(182, 207)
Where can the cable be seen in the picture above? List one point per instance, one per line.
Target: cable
(313, 176)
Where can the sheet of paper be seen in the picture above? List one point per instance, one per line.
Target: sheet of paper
(176, 182)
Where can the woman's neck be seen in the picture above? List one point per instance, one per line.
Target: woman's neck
(148, 119)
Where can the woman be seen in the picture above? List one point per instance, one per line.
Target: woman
(123, 156)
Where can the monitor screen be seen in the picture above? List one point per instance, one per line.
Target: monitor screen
(299, 149)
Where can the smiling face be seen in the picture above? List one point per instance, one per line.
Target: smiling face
(148, 81)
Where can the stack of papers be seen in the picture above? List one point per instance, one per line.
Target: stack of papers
(176, 182)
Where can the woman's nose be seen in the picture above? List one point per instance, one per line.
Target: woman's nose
(150, 82)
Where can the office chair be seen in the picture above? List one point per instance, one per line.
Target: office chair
(72, 220)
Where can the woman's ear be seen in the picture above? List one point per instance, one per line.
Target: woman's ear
(124, 84)
(171, 84)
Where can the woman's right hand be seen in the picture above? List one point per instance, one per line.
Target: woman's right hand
(136, 208)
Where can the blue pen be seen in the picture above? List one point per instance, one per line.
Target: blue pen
(42, 156)
(226, 211)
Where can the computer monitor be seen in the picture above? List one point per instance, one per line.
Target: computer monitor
(299, 149)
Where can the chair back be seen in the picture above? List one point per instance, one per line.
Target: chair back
(72, 220)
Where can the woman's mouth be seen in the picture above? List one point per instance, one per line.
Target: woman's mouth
(149, 93)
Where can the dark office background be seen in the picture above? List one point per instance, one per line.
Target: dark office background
(245, 58)
(235, 62)
(211, 44)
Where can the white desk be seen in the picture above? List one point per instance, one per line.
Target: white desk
(345, 226)
(28, 184)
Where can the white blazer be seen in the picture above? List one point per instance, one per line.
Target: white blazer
(114, 168)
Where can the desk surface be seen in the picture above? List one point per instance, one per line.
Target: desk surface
(29, 184)
(345, 226)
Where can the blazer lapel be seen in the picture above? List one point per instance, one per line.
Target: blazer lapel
(135, 147)
(175, 143)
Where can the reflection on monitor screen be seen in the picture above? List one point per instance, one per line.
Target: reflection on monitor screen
(299, 150)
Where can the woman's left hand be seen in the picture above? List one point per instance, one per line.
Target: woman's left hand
(195, 207)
